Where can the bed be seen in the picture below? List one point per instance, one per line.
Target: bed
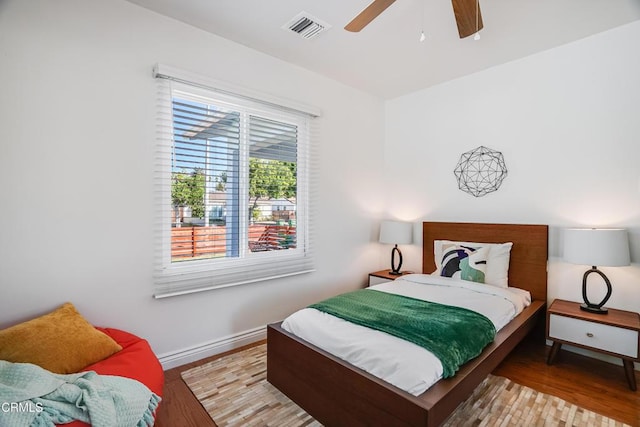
(337, 393)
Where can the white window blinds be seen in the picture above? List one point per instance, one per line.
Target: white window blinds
(233, 181)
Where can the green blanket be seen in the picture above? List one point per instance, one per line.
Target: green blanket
(454, 335)
(32, 396)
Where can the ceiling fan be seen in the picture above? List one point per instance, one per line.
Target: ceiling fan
(467, 13)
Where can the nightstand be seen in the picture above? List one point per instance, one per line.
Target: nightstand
(383, 276)
(616, 333)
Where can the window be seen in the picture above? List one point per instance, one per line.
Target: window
(233, 179)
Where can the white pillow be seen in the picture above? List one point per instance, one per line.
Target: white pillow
(497, 270)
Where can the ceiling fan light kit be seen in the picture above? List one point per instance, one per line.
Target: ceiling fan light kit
(466, 12)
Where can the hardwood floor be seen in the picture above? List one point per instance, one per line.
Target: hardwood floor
(590, 383)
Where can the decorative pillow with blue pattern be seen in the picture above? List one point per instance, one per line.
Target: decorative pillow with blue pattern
(495, 267)
(464, 262)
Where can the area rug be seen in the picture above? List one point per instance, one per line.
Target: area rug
(235, 392)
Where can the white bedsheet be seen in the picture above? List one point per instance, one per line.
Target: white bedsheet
(399, 362)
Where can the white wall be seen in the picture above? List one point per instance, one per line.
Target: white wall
(77, 117)
(566, 120)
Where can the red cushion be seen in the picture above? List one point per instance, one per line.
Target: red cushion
(136, 360)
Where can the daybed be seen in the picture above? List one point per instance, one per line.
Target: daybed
(337, 393)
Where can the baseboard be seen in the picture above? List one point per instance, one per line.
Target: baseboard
(191, 354)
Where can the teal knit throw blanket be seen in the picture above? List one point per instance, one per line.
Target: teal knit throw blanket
(32, 396)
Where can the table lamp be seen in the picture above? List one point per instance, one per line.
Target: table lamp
(606, 247)
(396, 233)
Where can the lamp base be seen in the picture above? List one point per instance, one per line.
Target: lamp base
(588, 305)
(395, 269)
(593, 309)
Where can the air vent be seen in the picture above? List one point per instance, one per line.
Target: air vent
(306, 25)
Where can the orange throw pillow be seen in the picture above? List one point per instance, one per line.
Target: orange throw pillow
(62, 341)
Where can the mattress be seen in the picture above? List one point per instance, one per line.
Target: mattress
(401, 363)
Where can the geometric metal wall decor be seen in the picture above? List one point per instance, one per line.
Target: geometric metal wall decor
(480, 171)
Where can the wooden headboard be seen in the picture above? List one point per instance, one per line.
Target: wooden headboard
(528, 263)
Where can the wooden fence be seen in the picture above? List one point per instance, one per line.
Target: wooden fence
(191, 242)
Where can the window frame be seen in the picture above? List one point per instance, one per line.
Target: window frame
(176, 278)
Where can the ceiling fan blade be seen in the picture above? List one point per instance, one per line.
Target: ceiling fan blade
(368, 15)
(468, 17)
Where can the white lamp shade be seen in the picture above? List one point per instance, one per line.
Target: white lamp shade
(396, 232)
(608, 247)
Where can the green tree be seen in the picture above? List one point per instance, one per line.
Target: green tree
(271, 179)
(221, 182)
(187, 189)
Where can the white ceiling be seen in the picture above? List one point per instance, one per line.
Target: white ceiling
(386, 58)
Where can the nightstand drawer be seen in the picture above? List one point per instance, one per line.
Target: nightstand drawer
(596, 335)
(375, 280)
